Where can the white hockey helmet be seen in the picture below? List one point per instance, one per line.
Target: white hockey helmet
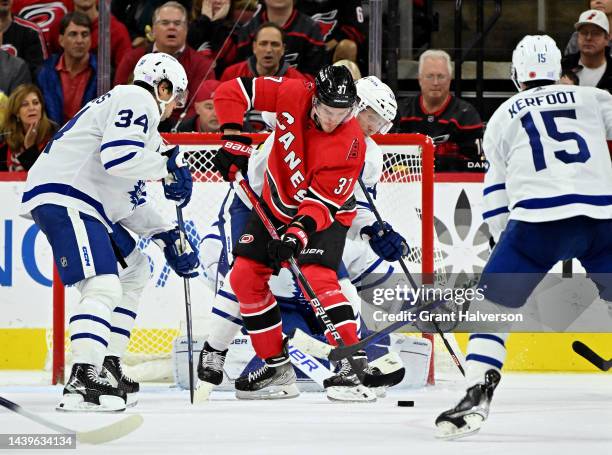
(536, 57)
(375, 94)
(155, 67)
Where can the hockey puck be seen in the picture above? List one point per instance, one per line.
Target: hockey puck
(406, 404)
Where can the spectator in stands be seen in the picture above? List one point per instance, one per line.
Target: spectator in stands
(267, 58)
(304, 45)
(119, 37)
(604, 6)
(27, 129)
(68, 80)
(170, 34)
(351, 66)
(592, 64)
(342, 25)
(21, 38)
(568, 78)
(205, 120)
(3, 113)
(210, 31)
(137, 16)
(453, 123)
(13, 72)
(47, 14)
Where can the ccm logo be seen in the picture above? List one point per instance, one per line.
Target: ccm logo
(237, 146)
(246, 238)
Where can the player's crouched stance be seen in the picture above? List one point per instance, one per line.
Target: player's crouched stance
(84, 192)
(317, 155)
(547, 198)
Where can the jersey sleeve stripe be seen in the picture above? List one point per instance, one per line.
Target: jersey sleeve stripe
(331, 211)
(243, 88)
(121, 142)
(492, 188)
(327, 201)
(564, 199)
(495, 212)
(118, 161)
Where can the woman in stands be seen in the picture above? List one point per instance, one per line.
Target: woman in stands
(27, 129)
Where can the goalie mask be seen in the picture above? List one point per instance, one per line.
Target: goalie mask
(155, 67)
(374, 94)
(536, 58)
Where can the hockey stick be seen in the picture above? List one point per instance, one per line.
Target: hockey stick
(409, 276)
(583, 350)
(101, 435)
(181, 227)
(367, 379)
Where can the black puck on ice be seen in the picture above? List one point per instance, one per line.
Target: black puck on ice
(405, 404)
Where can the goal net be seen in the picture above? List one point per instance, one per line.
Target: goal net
(404, 198)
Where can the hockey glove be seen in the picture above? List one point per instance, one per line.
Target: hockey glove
(290, 245)
(178, 185)
(385, 242)
(233, 156)
(185, 263)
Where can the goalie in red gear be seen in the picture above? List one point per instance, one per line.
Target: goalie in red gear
(318, 153)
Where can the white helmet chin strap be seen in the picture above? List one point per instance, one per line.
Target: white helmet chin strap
(162, 104)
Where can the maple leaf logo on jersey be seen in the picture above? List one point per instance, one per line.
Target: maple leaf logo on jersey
(138, 194)
(327, 22)
(353, 151)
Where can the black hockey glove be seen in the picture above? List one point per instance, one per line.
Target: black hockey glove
(233, 156)
(293, 241)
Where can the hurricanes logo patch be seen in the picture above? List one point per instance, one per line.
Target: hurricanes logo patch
(353, 151)
(246, 238)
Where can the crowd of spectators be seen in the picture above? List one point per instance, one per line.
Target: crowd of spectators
(48, 62)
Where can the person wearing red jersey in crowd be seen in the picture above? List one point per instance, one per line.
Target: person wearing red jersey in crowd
(47, 15)
(205, 120)
(304, 47)
(316, 158)
(27, 129)
(170, 34)
(21, 38)
(342, 25)
(68, 80)
(119, 37)
(454, 124)
(267, 58)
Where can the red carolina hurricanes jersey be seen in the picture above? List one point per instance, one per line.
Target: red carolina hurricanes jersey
(47, 15)
(309, 172)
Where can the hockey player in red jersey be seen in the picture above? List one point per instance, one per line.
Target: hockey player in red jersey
(317, 156)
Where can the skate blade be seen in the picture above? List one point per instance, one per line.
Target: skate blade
(76, 403)
(202, 391)
(357, 394)
(270, 393)
(448, 430)
(132, 400)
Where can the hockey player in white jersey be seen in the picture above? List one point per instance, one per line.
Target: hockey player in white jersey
(376, 111)
(547, 198)
(84, 192)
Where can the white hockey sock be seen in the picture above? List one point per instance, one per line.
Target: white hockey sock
(89, 326)
(225, 321)
(133, 280)
(485, 351)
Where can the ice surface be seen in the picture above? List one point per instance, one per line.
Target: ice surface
(531, 414)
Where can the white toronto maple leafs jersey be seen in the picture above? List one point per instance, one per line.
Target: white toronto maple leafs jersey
(98, 161)
(548, 156)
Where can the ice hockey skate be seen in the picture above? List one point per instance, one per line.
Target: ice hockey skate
(113, 373)
(87, 391)
(210, 372)
(274, 380)
(345, 385)
(470, 414)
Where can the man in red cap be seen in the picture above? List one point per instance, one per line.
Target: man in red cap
(205, 120)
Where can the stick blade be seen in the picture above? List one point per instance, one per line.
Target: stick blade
(111, 432)
(583, 350)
